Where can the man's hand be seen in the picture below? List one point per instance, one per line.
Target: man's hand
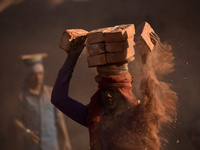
(154, 38)
(74, 54)
(32, 136)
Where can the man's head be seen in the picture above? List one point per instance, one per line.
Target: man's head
(35, 79)
(115, 83)
(111, 98)
(34, 69)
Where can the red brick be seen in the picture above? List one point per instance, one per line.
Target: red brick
(99, 48)
(120, 33)
(111, 34)
(142, 36)
(95, 49)
(120, 56)
(97, 35)
(119, 46)
(72, 39)
(96, 60)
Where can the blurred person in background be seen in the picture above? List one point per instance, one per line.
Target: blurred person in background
(39, 125)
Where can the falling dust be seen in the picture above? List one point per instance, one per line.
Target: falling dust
(139, 127)
(158, 105)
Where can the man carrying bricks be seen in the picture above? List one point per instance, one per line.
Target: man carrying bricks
(115, 118)
(113, 98)
(114, 90)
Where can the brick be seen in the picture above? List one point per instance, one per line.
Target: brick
(120, 33)
(119, 46)
(120, 56)
(99, 48)
(111, 34)
(142, 36)
(96, 60)
(72, 39)
(97, 35)
(95, 49)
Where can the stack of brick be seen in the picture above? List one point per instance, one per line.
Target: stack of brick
(110, 45)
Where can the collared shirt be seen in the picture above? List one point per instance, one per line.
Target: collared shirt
(38, 114)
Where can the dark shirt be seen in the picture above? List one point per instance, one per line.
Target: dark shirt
(60, 98)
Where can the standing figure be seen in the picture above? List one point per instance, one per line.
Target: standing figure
(40, 126)
(109, 109)
(116, 119)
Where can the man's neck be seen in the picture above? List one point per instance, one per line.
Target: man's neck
(36, 90)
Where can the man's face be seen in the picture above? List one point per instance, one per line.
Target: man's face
(111, 97)
(35, 79)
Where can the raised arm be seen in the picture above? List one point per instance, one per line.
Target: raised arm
(60, 98)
